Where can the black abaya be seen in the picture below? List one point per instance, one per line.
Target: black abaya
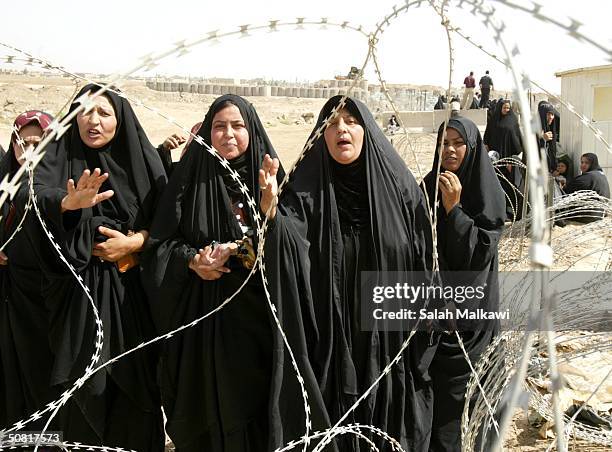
(503, 135)
(468, 237)
(316, 249)
(215, 376)
(25, 357)
(119, 405)
(594, 180)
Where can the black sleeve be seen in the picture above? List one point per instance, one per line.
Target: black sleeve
(581, 182)
(166, 158)
(468, 247)
(164, 262)
(486, 139)
(288, 274)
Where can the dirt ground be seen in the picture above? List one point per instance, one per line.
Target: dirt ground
(286, 127)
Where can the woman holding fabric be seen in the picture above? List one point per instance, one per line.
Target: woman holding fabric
(351, 206)
(470, 220)
(101, 235)
(215, 376)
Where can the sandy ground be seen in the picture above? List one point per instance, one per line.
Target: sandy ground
(288, 132)
(281, 116)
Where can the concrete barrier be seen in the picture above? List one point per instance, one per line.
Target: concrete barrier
(274, 91)
(429, 121)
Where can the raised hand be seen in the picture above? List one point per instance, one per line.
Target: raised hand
(85, 193)
(268, 185)
(451, 190)
(173, 141)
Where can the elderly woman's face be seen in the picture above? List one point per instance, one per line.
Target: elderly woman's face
(505, 108)
(344, 137)
(229, 134)
(31, 134)
(550, 116)
(97, 127)
(453, 151)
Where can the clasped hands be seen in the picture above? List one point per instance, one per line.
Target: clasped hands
(209, 263)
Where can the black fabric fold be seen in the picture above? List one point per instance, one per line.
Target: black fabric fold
(314, 260)
(468, 238)
(215, 376)
(25, 357)
(138, 178)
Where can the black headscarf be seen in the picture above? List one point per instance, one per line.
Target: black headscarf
(196, 204)
(569, 173)
(503, 133)
(593, 162)
(304, 253)
(440, 103)
(545, 107)
(137, 176)
(592, 179)
(481, 195)
(468, 237)
(194, 211)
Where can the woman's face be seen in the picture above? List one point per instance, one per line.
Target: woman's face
(561, 168)
(229, 134)
(453, 151)
(505, 109)
(585, 164)
(31, 134)
(344, 137)
(97, 127)
(550, 116)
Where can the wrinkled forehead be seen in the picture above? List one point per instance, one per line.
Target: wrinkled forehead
(103, 101)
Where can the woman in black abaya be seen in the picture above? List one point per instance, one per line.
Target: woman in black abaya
(591, 178)
(351, 206)
(503, 135)
(101, 235)
(470, 220)
(25, 357)
(550, 121)
(216, 375)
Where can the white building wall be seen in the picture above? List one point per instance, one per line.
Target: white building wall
(578, 88)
